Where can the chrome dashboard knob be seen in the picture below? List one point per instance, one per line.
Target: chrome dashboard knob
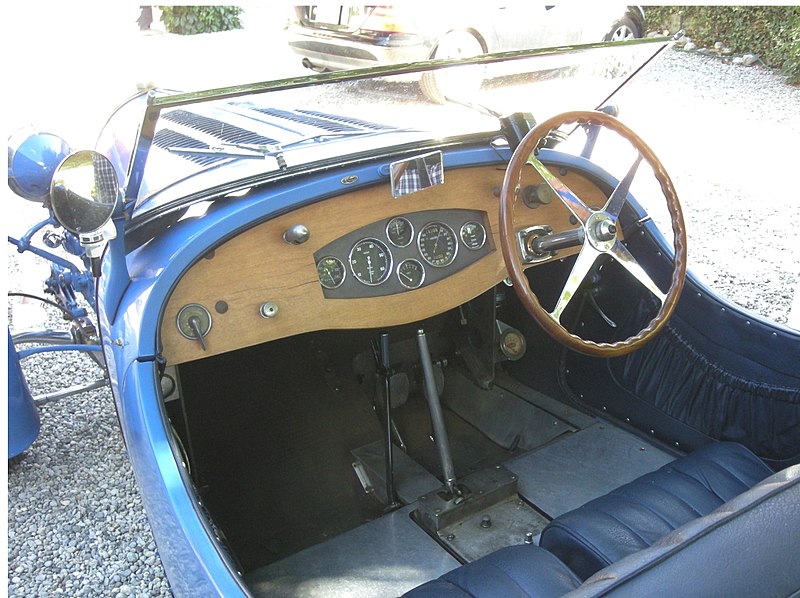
(296, 235)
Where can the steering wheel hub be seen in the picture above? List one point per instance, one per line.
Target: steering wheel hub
(601, 231)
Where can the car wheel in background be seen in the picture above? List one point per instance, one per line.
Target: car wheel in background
(457, 83)
(622, 30)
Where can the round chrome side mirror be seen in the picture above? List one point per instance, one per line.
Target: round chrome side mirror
(83, 194)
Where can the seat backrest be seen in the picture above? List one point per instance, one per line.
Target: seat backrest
(750, 546)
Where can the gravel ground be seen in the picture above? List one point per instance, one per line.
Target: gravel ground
(76, 525)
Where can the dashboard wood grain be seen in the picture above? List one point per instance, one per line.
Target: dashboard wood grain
(258, 266)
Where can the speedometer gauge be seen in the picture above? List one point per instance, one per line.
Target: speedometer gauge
(437, 244)
(370, 261)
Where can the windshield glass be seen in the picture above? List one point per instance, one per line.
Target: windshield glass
(196, 144)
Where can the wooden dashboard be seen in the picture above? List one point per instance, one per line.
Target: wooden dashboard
(257, 287)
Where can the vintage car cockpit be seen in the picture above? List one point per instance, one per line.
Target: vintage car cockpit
(382, 354)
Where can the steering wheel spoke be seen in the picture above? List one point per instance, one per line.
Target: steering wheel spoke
(575, 205)
(614, 204)
(621, 254)
(580, 270)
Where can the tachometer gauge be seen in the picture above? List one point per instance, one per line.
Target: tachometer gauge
(411, 273)
(370, 261)
(331, 272)
(437, 244)
(473, 235)
(400, 232)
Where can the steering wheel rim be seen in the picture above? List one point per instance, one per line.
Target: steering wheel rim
(595, 243)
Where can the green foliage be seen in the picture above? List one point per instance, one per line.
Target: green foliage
(771, 32)
(191, 20)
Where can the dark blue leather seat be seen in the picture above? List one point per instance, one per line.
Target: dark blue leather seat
(635, 515)
(513, 572)
(747, 547)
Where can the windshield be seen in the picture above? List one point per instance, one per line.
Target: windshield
(196, 144)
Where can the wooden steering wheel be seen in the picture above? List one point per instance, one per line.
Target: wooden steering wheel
(600, 235)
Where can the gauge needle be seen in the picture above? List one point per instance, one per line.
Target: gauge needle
(406, 276)
(194, 324)
(370, 268)
(436, 242)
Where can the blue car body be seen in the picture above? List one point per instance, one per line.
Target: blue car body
(23, 416)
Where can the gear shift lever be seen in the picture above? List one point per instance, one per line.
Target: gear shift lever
(437, 419)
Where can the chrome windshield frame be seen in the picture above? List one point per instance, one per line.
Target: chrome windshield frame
(158, 102)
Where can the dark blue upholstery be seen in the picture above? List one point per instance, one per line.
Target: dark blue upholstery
(634, 516)
(517, 571)
(747, 547)
(750, 546)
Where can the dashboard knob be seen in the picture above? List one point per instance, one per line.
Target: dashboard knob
(296, 235)
(268, 309)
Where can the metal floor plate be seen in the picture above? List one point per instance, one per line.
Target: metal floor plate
(579, 467)
(386, 557)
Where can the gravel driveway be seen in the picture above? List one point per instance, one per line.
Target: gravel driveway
(75, 521)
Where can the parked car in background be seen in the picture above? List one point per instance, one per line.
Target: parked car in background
(336, 37)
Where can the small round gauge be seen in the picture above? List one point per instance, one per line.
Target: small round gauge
(512, 344)
(473, 235)
(331, 272)
(400, 232)
(411, 273)
(370, 261)
(193, 321)
(437, 244)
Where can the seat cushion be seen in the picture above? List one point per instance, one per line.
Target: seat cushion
(634, 516)
(513, 572)
(747, 547)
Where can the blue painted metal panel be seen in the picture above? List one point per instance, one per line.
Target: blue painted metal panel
(23, 417)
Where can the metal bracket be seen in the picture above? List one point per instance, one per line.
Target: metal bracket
(525, 238)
